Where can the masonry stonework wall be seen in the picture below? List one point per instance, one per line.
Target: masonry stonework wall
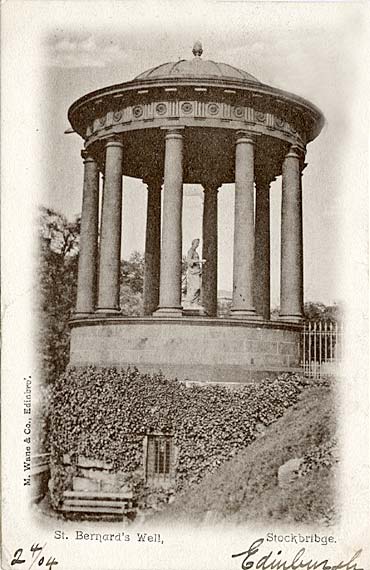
(199, 350)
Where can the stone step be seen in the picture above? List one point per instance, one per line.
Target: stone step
(97, 495)
(95, 509)
(94, 503)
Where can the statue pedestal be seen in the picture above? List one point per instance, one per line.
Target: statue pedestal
(193, 311)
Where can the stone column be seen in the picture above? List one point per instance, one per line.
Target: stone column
(209, 275)
(110, 230)
(291, 282)
(171, 247)
(262, 247)
(243, 304)
(152, 246)
(88, 258)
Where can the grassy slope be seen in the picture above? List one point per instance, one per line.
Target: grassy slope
(246, 487)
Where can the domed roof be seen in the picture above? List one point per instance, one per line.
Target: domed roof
(197, 68)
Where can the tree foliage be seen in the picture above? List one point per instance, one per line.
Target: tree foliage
(315, 311)
(131, 285)
(62, 236)
(132, 272)
(57, 285)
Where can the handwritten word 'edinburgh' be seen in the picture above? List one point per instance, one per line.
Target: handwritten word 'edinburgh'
(251, 559)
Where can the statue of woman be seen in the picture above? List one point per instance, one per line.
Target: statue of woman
(193, 274)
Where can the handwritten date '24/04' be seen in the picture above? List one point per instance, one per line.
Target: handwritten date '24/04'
(20, 557)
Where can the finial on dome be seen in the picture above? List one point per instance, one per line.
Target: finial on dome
(197, 49)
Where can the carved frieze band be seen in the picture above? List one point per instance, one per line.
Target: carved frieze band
(190, 109)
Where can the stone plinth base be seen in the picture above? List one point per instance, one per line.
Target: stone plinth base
(189, 348)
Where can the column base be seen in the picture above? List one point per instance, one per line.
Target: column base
(165, 312)
(107, 311)
(251, 315)
(81, 314)
(299, 319)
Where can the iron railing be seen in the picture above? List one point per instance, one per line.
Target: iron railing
(322, 348)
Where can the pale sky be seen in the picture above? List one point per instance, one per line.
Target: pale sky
(307, 50)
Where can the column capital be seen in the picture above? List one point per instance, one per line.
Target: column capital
(87, 156)
(173, 132)
(245, 137)
(296, 151)
(113, 141)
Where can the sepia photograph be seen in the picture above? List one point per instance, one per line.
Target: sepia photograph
(185, 285)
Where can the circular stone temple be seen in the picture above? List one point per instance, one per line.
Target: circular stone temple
(192, 121)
